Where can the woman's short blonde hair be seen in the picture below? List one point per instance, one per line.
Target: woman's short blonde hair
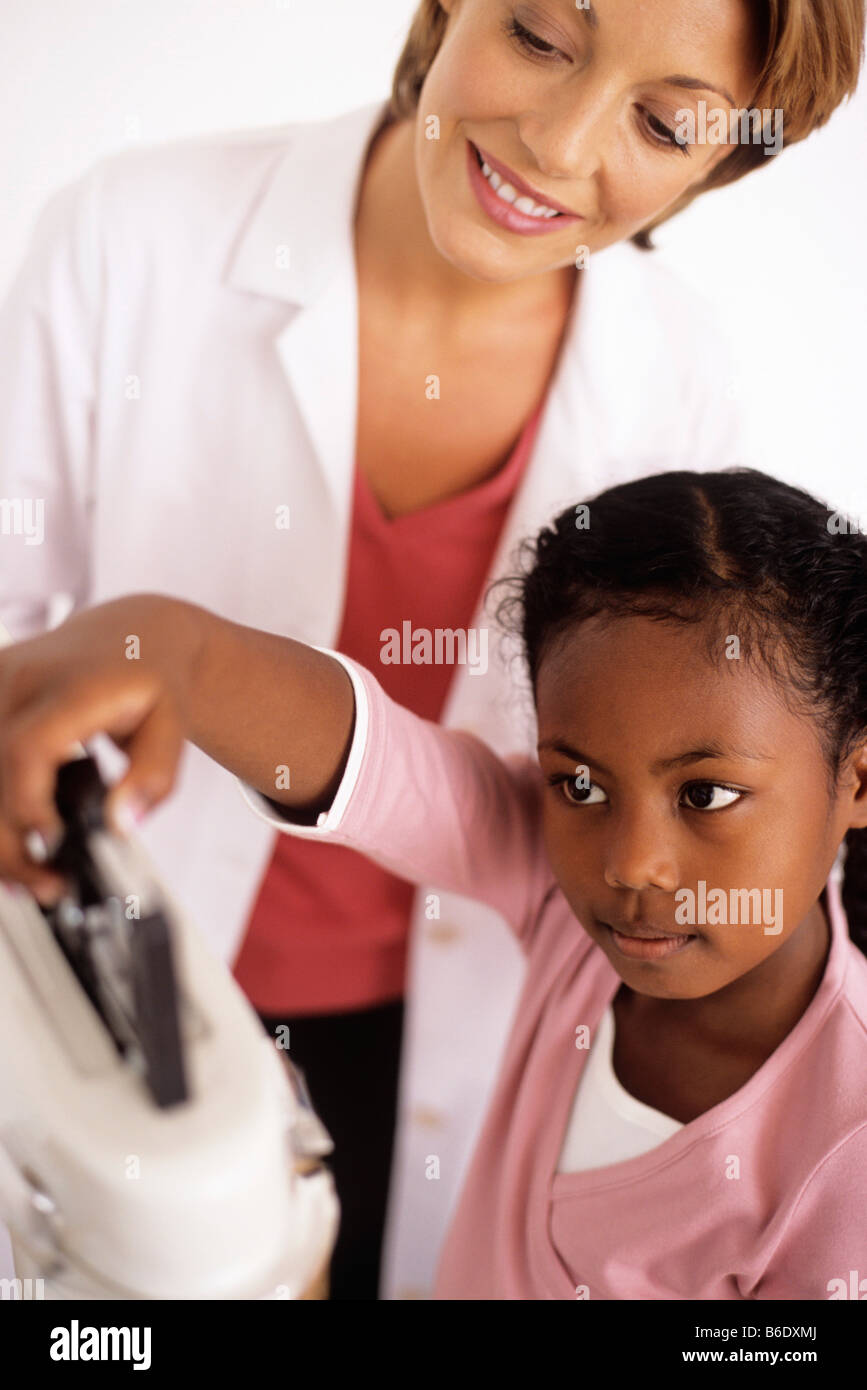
(813, 51)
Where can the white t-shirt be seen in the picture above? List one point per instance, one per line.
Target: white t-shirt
(606, 1123)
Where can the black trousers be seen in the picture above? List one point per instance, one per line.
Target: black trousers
(351, 1063)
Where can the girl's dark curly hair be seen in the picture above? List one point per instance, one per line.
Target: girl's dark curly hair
(742, 552)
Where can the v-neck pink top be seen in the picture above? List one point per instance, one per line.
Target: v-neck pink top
(329, 930)
(762, 1197)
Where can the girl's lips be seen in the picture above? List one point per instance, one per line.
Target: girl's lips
(647, 948)
(505, 214)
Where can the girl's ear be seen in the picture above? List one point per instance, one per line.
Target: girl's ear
(857, 788)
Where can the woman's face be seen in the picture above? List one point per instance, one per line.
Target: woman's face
(666, 770)
(579, 101)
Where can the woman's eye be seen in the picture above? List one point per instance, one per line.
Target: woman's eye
(534, 47)
(527, 40)
(704, 792)
(663, 134)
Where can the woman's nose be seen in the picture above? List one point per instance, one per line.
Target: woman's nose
(567, 140)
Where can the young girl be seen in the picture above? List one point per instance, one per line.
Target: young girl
(682, 1107)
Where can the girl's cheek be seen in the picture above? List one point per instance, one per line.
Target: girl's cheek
(738, 947)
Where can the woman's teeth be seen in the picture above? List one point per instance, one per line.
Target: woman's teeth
(510, 195)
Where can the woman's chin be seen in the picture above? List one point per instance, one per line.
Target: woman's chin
(477, 256)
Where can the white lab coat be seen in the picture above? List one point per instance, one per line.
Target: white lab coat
(179, 360)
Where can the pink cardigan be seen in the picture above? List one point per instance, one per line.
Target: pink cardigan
(763, 1196)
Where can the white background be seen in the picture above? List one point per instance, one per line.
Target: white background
(781, 254)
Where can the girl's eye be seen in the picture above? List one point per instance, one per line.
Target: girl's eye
(663, 135)
(704, 792)
(576, 790)
(579, 792)
(528, 41)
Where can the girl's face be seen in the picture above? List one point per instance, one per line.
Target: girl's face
(579, 101)
(664, 771)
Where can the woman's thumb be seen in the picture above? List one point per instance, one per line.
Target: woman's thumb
(154, 752)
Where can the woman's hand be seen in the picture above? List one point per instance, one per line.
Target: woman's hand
(124, 668)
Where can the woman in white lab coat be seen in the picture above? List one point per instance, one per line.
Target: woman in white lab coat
(279, 372)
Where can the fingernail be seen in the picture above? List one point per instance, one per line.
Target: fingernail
(42, 845)
(128, 814)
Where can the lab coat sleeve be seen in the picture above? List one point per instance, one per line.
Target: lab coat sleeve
(49, 321)
(435, 806)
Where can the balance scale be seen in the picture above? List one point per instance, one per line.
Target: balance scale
(155, 1143)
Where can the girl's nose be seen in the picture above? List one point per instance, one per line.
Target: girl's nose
(639, 855)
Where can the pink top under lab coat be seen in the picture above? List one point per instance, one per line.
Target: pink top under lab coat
(763, 1196)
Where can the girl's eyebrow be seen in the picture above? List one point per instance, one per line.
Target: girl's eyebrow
(693, 84)
(695, 755)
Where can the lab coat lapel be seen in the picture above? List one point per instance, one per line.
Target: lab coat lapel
(298, 246)
(318, 353)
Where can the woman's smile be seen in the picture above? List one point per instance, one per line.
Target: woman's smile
(509, 206)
